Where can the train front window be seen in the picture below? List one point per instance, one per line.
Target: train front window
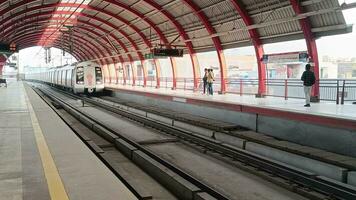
(98, 75)
(80, 75)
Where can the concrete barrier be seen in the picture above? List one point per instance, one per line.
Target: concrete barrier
(203, 196)
(177, 185)
(105, 133)
(231, 140)
(331, 139)
(317, 167)
(86, 121)
(125, 148)
(351, 178)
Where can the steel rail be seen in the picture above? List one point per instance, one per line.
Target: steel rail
(167, 164)
(302, 177)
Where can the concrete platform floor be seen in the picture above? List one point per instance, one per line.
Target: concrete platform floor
(327, 109)
(41, 158)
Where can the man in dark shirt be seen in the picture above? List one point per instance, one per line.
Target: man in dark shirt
(308, 79)
(205, 80)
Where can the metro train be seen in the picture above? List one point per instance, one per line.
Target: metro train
(84, 77)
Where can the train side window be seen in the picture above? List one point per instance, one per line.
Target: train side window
(65, 77)
(80, 75)
(58, 77)
(98, 75)
(72, 77)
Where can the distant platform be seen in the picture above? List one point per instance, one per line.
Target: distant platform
(41, 158)
(319, 113)
(324, 125)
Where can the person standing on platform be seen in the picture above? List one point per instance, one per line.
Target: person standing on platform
(210, 81)
(205, 81)
(308, 79)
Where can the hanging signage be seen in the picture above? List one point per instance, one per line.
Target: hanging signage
(8, 48)
(285, 57)
(149, 56)
(159, 52)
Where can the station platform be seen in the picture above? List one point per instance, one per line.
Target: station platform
(324, 125)
(41, 158)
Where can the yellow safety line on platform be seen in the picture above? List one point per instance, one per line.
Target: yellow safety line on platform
(54, 181)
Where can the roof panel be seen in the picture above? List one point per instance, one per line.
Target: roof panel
(273, 20)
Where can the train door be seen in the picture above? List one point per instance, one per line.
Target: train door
(65, 78)
(55, 77)
(72, 78)
(89, 78)
(98, 76)
(80, 75)
(68, 78)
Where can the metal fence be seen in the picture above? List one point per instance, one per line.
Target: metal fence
(337, 90)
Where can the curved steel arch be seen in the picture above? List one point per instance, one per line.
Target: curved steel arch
(33, 39)
(184, 35)
(218, 47)
(85, 42)
(48, 13)
(91, 46)
(201, 16)
(256, 41)
(36, 36)
(311, 45)
(104, 46)
(85, 46)
(162, 37)
(75, 55)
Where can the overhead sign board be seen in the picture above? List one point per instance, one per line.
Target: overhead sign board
(8, 48)
(159, 52)
(149, 56)
(285, 57)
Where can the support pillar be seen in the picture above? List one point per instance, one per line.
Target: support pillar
(158, 73)
(124, 73)
(133, 76)
(196, 71)
(174, 73)
(223, 70)
(311, 45)
(144, 72)
(261, 71)
(2, 63)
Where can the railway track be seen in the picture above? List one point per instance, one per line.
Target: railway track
(302, 182)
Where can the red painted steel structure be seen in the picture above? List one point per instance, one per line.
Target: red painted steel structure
(106, 56)
(184, 36)
(161, 35)
(216, 41)
(2, 62)
(311, 44)
(240, 8)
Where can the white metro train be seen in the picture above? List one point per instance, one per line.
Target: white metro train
(84, 77)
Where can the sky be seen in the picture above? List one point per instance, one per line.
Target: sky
(35, 57)
(335, 46)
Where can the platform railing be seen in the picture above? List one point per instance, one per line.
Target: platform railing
(335, 90)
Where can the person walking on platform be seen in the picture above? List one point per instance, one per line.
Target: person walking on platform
(210, 81)
(308, 79)
(205, 81)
